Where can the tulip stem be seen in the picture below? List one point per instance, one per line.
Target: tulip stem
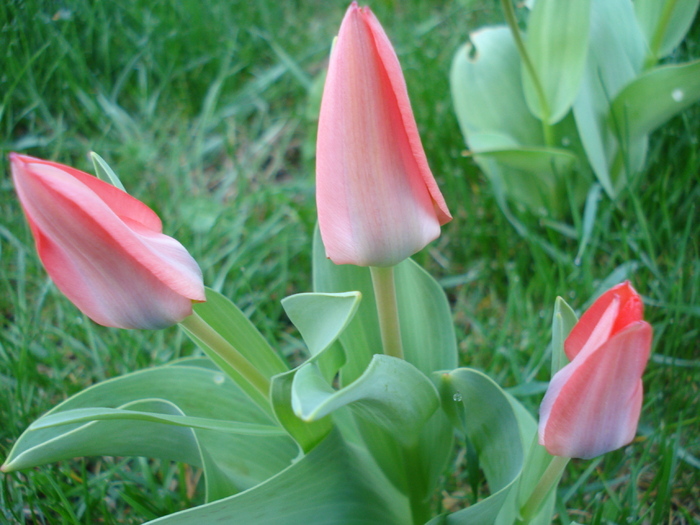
(226, 352)
(387, 310)
(549, 480)
(512, 21)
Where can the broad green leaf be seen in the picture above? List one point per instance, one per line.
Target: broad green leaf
(501, 430)
(307, 434)
(563, 321)
(557, 41)
(483, 412)
(224, 321)
(104, 172)
(335, 484)
(85, 415)
(320, 319)
(487, 90)
(654, 97)
(664, 24)
(228, 320)
(429, 344)
(45, 444)
(392, 393)
(551, 160)
(426, 321)
(184, 390)
(536, 460)
(534, 177)
(616, 50)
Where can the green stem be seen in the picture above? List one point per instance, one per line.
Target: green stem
(657, 38)
(549, 480)
(512, 21)
(387, 310)
(225, 350)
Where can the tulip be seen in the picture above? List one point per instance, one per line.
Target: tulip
(104, 249)
(593, 404)
(377, 200)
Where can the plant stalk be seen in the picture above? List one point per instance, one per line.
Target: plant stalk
(387, 310)
(512, 21)
(658, 36)
(225, 350)
(549, 480)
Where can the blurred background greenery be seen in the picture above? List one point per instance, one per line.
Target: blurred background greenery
(206, 110)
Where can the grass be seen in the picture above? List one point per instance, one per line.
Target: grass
(206, 110)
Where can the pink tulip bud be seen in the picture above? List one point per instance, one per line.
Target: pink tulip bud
(104, 249)
(592, 405)
(377, 200)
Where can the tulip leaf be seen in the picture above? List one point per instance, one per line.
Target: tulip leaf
(487, 90)
(501, 430)
(219, 317)
(616, 50)
(493, 115)
(654, 97)
(85, 415)
(563, 321)
(429, 344)
(320, 319)
(426, 320)
(335, 484)
(536, 463)
(176, 393)
(533, 177)
(392, 393)
(307, 434)
(551, 160)
(557, 41)
(104, 172)
(232, 324)
(664, 24)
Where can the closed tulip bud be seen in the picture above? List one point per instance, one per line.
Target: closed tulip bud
(593, 404)
(377, 200)
(104, 249)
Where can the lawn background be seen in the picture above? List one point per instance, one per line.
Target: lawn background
(207, 112)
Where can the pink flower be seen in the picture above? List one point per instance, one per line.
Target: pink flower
(592, 405)
(104, 249)
(377, 200)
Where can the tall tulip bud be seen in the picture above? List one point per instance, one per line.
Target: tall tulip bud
(377, 200)
(104, 249)
(593, 404)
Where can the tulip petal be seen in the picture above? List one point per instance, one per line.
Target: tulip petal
(120, 202)
(631, 309)
(104, 249)
(593, 404)
(375, 193)
(395, 76)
